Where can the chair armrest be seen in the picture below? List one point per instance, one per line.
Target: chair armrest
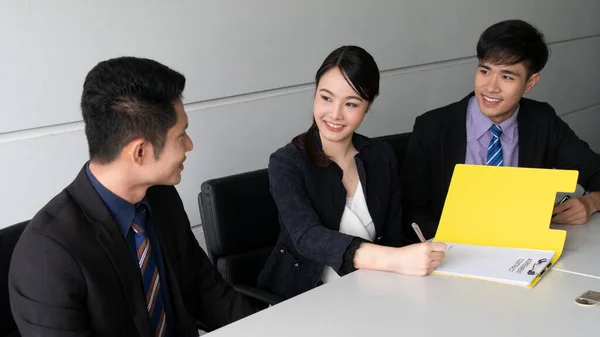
(203, 327)
(252, 292)
(257, 293)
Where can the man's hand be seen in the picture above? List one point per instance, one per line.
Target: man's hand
(577, 211)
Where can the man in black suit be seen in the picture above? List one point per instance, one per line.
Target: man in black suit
(495, 125)
(113, 253)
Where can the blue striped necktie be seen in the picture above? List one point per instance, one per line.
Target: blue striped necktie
(494, 153)
(150, 276)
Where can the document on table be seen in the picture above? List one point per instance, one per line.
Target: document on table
(497, 264)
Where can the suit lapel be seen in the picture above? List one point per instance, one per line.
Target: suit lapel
(179, 310)
(163, 230)
(117, 251)
(527, 137)
(111, 240)
(454, 143)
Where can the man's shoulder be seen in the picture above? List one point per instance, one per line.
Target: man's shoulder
(535, 108)
(443, 117)
(56, 213)
(60, 220)
(444, 113)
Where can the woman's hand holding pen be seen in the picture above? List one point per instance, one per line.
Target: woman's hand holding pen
(419, 259)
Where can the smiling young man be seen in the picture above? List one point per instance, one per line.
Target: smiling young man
(495, 125)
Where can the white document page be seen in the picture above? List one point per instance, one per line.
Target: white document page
(498, 264)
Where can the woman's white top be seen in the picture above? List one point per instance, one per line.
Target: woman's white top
(356, 221)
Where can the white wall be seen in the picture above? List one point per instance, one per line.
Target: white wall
(250, 65)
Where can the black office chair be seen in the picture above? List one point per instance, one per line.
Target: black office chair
(241, 227)
(399, 143)
(8, 239)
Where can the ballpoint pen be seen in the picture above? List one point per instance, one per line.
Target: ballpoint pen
(418, 231)
(565, 198)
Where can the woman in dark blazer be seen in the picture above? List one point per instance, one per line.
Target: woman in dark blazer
(337, 192)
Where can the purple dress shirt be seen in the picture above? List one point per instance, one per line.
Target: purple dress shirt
(479, 136)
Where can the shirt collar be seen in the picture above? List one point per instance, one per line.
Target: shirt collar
(482, 123)
(121, 210)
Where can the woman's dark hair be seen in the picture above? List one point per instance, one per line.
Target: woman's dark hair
(361, 73)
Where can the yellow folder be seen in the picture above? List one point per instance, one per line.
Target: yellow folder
(504, 207)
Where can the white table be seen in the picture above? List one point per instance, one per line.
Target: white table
(582, 248)
(369, 303)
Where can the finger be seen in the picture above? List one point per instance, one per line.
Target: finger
(561, 217)
(423, 247)
(577, 219)
(565, 205)
(569, 213)
(437, 256)
(435, 264)
(438, 246)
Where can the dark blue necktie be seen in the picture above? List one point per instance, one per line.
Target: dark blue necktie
(150, 275)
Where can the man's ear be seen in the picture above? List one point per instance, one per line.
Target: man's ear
(137, 151)
(531, 82)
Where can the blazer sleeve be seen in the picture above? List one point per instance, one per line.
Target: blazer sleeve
(575, 154)
(572, 153)
(46, 288)
(416, 183)
(311, 239)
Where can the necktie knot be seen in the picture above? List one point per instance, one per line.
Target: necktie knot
(496, 130)
(139, 220)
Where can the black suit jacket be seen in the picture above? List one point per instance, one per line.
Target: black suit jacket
(311, 201)
(439, 142)
(72, 273)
